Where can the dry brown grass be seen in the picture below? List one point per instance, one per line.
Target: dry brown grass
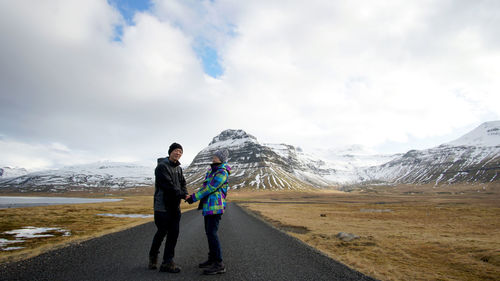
(446, 233)
(81, 219)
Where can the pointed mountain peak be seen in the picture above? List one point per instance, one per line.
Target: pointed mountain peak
(232, 138)
(486, 134)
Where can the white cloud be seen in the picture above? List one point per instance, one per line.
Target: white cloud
(75, 85)
(39, 156)
(351, 74)
(308, 73)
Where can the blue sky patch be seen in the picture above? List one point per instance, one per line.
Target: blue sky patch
(127, 9)
(208, 55)
(210, 60)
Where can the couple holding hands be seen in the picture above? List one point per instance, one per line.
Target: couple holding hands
(170, 189)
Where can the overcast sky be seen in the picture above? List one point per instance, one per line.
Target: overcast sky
(90, 80)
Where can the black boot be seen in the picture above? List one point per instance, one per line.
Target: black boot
(153, 260)
(217, 268)
(170, 267)
(206, 264)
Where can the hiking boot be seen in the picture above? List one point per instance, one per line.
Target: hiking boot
(153, 260)
(206, 264)
(170, 267)
(217, 268)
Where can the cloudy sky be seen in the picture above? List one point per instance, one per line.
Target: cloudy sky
(83, 81)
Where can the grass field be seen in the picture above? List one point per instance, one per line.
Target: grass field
(406, 233)
(81, 220)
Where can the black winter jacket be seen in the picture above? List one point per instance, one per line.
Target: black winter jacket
(170, 186)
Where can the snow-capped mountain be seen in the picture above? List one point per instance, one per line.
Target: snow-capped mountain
(350, 162)
(474, 157)
(486, 135)
(335, 166)
(354, 157)
(277, 166)
(100, 175)
(259, 166)
(12, 172)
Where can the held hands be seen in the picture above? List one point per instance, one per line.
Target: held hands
(189, 199)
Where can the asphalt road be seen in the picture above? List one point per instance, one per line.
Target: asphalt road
(252, 250)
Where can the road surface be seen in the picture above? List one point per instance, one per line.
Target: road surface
(252, 250)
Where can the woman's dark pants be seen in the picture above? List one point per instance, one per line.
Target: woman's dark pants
(168, 225)
(211, 228)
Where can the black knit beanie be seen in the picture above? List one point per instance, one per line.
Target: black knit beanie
(173, 147)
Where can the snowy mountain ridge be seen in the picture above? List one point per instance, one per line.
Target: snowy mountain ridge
(486, 135)
(12, 172)
(472, 158)
(280, 166)
(257, 165)
(99, 175)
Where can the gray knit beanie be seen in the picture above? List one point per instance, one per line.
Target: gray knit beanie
(222, 154)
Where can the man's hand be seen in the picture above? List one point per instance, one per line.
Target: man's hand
(189, 199)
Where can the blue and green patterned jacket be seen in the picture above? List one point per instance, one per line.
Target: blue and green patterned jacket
(214, 190)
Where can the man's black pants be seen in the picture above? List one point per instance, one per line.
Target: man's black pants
(168, 225)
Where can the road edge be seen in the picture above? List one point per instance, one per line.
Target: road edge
(260, 218)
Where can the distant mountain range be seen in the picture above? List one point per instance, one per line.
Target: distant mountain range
(281, 166)
(473, 158)
(90, 177)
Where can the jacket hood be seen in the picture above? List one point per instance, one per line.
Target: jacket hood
(221, 166)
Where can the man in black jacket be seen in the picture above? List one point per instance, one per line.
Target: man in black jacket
(170, 188)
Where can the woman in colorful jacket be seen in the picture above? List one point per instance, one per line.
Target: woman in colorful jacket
(212, 197)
